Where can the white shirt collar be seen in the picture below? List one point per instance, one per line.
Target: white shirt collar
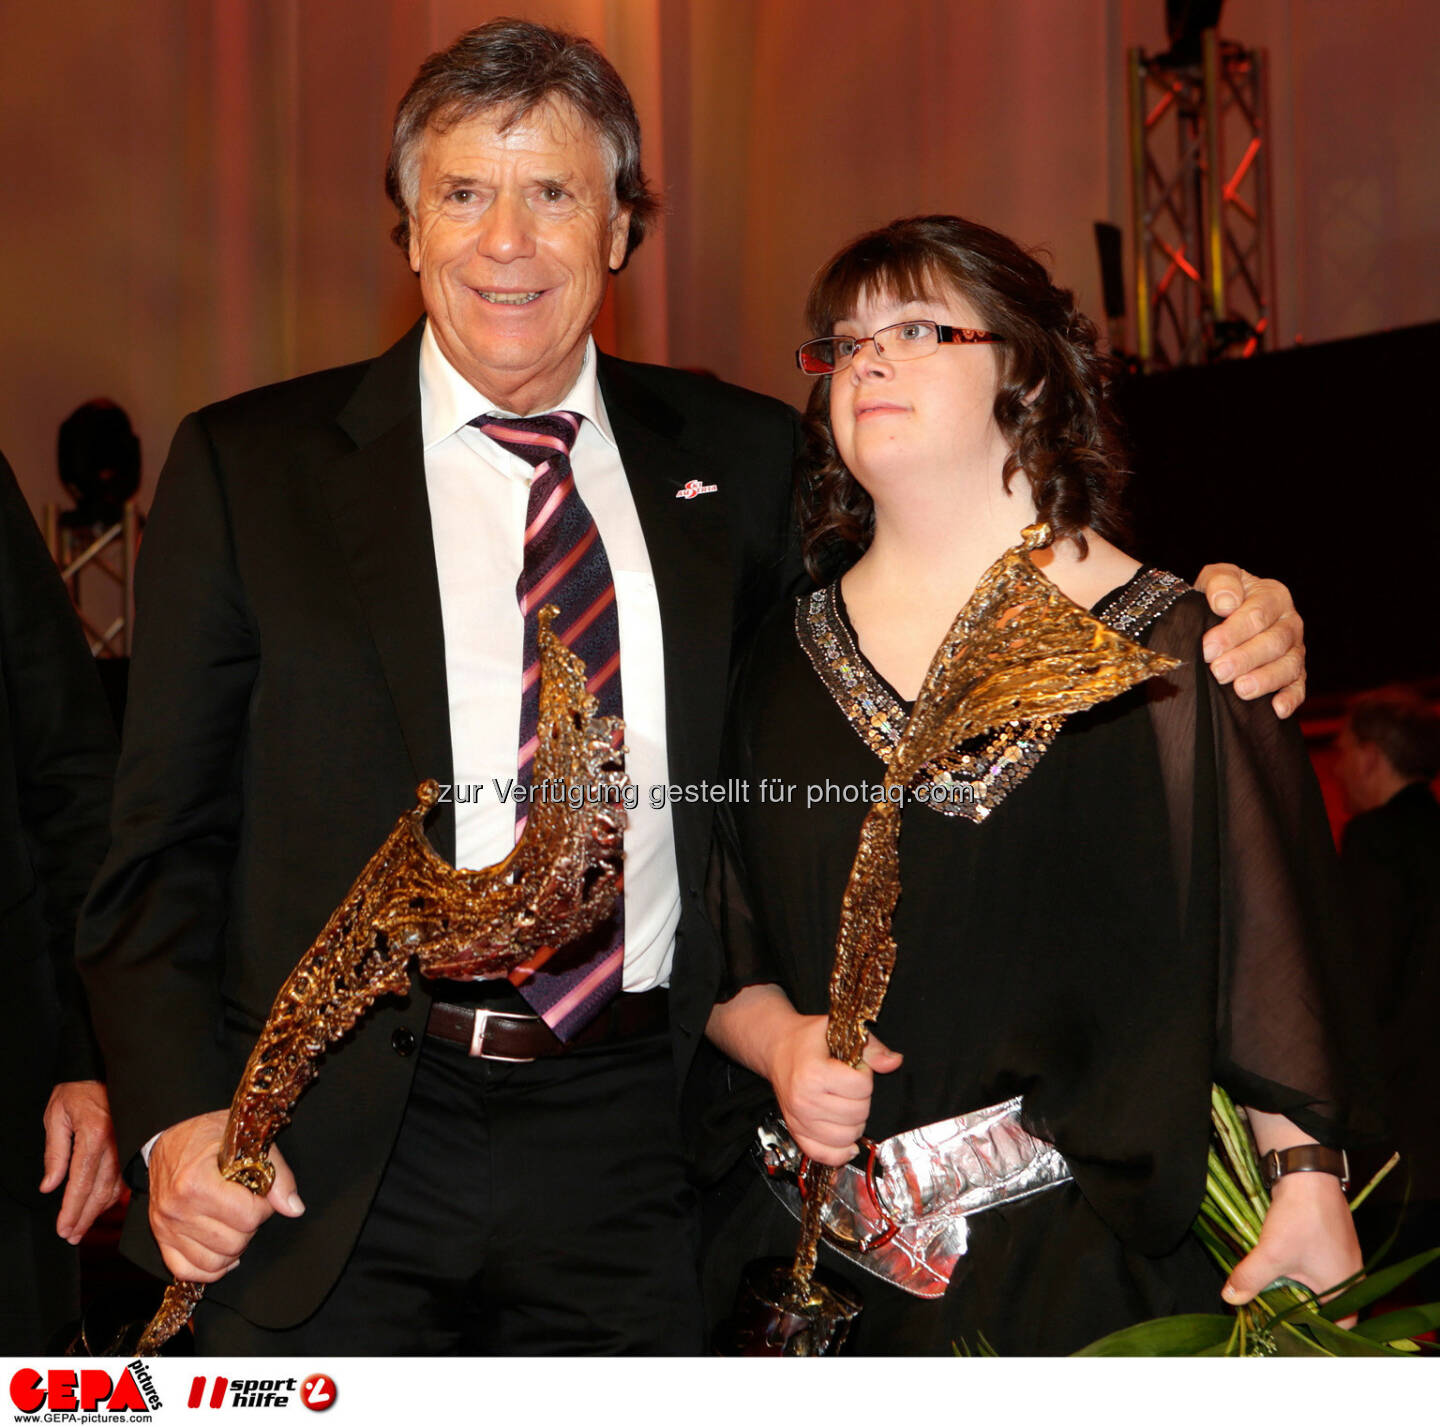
(448, 402)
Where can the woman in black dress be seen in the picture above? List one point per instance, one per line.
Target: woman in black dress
(1108, 911)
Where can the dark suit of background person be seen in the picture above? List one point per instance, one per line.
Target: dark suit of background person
(1390, 859)
(57, 755)
(289, 676)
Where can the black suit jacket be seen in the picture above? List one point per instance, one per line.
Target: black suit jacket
(57, 754)
(287, 695)
(1390, 857)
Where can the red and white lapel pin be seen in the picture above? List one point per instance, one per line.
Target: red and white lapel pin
(693, 488)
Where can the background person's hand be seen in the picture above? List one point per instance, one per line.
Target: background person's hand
(201, 1221)
(1260, 646)
(80, 1153)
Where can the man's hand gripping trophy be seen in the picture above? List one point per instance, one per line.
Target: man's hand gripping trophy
(560, 880)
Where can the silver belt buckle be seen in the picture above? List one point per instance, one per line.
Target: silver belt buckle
(477, 1038)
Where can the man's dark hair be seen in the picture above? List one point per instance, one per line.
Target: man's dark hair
(1402, 725)
(1052, 403)
(513, 66)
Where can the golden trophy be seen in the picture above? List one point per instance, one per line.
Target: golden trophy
(560, 880)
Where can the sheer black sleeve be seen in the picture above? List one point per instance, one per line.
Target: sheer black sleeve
(1259, 880)
(748, 959)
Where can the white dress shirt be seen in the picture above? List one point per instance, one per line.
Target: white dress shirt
(479, 493)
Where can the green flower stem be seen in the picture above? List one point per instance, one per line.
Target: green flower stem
(1217, 1167)
(1226, 1221)
(1234, 1134)
(1254, 1214)
(1222, 1194)
(1221, 1250)
(1380, 1174)
(1218, 1225)
(1231, 1202)
(1222, 1230)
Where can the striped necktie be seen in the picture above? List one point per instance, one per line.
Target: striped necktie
(565, 565)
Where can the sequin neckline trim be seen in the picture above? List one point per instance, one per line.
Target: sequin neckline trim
(979, 773)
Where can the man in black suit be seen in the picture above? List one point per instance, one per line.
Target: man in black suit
(57, 755)
(328, 615)
(1389, 754)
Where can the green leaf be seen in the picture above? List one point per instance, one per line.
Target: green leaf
(1183, 1335)
(1403, 1323)
(1291, 1342)
(1377, 1285)
(1286, 1298)
(1339, 1342)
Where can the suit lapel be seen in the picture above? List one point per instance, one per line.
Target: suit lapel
(381, 512)
(689, 549)
(379, 505)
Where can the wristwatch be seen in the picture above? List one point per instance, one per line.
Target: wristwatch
(1305, 1157)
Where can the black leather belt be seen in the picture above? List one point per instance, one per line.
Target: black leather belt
(514, 1036)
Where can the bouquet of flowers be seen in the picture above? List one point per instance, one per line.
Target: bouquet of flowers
(1287, 1319)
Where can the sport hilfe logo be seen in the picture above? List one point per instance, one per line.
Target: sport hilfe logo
(84, 1390)
(217, 1393)
(243, 1392)
(317, 1392)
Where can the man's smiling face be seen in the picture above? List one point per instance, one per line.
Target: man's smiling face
(514, 235)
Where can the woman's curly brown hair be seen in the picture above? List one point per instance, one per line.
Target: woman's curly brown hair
(1065, 439)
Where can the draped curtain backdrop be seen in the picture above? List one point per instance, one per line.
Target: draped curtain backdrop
(193, 200)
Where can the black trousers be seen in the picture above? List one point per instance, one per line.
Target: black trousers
(39, 1277)
(539, 1208)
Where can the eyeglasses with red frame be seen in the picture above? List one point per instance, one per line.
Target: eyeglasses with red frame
(898, 343)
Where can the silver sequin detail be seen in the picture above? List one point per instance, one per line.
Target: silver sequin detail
(1143, 601)
(986, 769)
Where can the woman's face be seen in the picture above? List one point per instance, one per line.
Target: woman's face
(920, 420)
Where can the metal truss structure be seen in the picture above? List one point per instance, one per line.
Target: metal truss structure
(1204, 255)
(110, 552)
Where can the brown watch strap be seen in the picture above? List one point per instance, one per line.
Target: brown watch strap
(1303, 1158)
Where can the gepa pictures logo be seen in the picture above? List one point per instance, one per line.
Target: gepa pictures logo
(87, 1390)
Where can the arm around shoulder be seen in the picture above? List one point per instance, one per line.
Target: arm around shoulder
(1259, 646)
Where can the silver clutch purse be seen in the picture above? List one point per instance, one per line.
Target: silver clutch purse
(900, 1212)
